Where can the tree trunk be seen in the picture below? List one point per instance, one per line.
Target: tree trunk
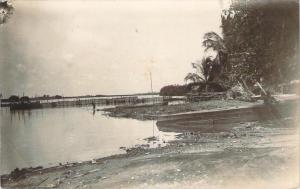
(246, 87)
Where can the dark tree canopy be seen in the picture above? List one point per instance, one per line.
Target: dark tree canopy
(24, 99)
(174, 90)
(262, 40)
(13, 98)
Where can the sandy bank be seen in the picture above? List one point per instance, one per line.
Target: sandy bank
(152, 112)
(254, 155)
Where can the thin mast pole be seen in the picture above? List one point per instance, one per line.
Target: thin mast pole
(152, 102)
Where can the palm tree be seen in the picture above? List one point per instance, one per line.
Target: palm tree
(213, 41)
(202, 73)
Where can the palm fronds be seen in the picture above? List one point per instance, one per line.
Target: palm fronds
(213, 41)
(193, 77)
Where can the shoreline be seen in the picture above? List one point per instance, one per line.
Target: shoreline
(152, 112)
(247, 140)
(250, 141)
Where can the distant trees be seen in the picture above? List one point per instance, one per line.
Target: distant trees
(25, 99)
(14, 98)
(174, 90)
(58, 97)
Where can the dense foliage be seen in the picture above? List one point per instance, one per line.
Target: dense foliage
(174, 90)
(13, 98)
(181, 90)
(262, 41)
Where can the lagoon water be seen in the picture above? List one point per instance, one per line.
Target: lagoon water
(47, 137)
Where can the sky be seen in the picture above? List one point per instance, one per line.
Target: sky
(102, 47)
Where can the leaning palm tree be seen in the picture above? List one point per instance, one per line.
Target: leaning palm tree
(202, 72)
(215, 42)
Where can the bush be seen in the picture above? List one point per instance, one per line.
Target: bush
(13, 98)
(24, 99)
(201, 87)
(197, 87)
(174, 90)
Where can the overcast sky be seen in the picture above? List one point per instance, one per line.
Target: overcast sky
(102, 47)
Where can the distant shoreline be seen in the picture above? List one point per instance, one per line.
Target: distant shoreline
(86, 96)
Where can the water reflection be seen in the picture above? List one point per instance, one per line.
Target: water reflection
(49, 136)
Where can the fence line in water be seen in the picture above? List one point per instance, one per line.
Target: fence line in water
(111, 101)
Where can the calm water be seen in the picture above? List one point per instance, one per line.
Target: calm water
(49, 136)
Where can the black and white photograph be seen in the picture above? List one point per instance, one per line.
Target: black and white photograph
(149, 94)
